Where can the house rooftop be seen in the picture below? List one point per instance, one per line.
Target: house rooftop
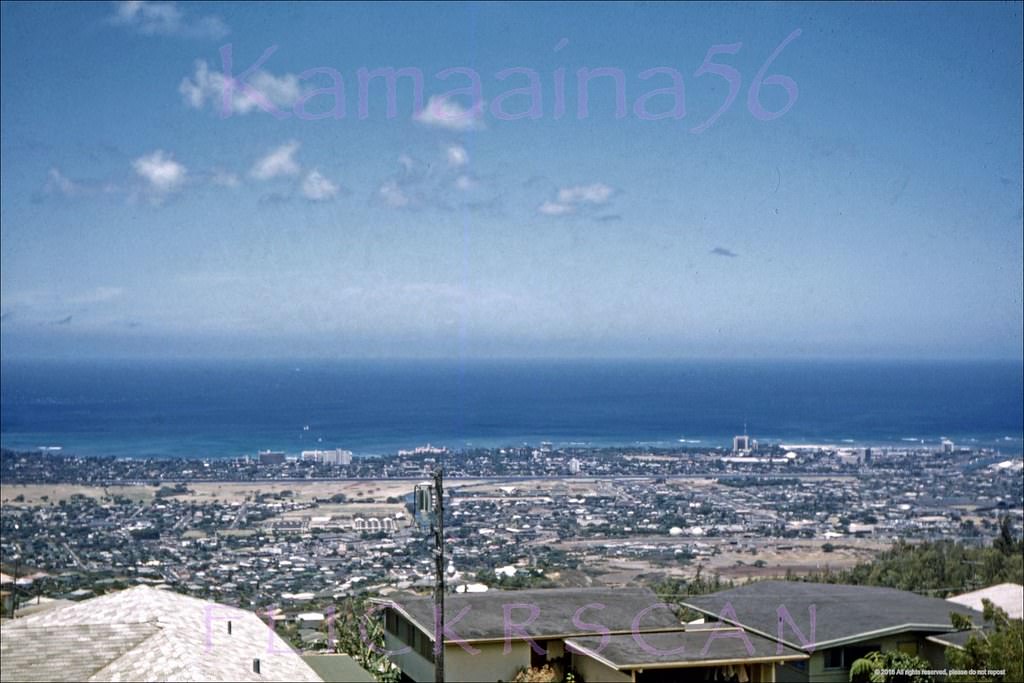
(679, 649)
(842, 614)
(957, 639)
(146, 634)
(76, 652)
(1007, 596)
(338, 667)
(481, 616)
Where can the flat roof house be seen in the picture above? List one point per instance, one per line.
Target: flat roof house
(603, 634)
(834, 624)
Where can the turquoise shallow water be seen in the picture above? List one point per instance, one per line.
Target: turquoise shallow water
(212, 409)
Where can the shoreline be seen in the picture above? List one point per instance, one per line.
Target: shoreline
(390, 448)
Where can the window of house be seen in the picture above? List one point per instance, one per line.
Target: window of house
(908, 647)
(854, 652)
(536, 659)
(834, 658)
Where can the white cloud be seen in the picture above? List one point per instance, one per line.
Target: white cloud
(407, 162)
(457, 156)
(160, 171)
(393, 195)
(443, 183)
(317, 188)
(555, 209)
(166, 19)
(96, 295)
(569, 199)
(280, 161)
(209, 86)
(443, 113)
(225, 178)
(57, 182)
(597, 193)
(49, 303)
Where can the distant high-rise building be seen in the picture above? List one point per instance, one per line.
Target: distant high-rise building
(575, 466)
(271, 457)
(336, 456)
(948, 446)
(740, 443)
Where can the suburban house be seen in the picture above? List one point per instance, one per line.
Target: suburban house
(1008, 597)
(603, 634)
(146, 634)
(835, 624)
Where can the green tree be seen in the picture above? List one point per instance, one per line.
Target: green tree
(360, 634)
(999, 648)
(1005, 542)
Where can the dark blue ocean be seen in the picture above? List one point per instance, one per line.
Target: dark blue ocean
(211, 409)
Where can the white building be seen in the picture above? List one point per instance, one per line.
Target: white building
(331, 457)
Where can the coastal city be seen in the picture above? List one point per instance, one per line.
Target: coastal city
(461, 342)
(291, 530)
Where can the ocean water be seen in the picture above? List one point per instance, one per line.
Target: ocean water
(226, 409)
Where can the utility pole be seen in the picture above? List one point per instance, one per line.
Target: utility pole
(14, 588)
(439, 570)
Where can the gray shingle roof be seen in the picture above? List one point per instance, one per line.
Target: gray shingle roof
(957, 639)
(700, 647)
(145, 634)
(842, 613)
(74, 652)
(485, 617)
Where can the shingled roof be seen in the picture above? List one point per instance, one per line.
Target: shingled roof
(484, 616)
(146, 634)
(843, 614)
(694, 647)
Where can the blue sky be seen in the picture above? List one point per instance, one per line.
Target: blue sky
(880, 216)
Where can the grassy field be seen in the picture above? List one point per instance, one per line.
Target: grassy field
(43, 494)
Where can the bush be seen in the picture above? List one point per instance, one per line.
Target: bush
(870, 668)
(542, 674)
